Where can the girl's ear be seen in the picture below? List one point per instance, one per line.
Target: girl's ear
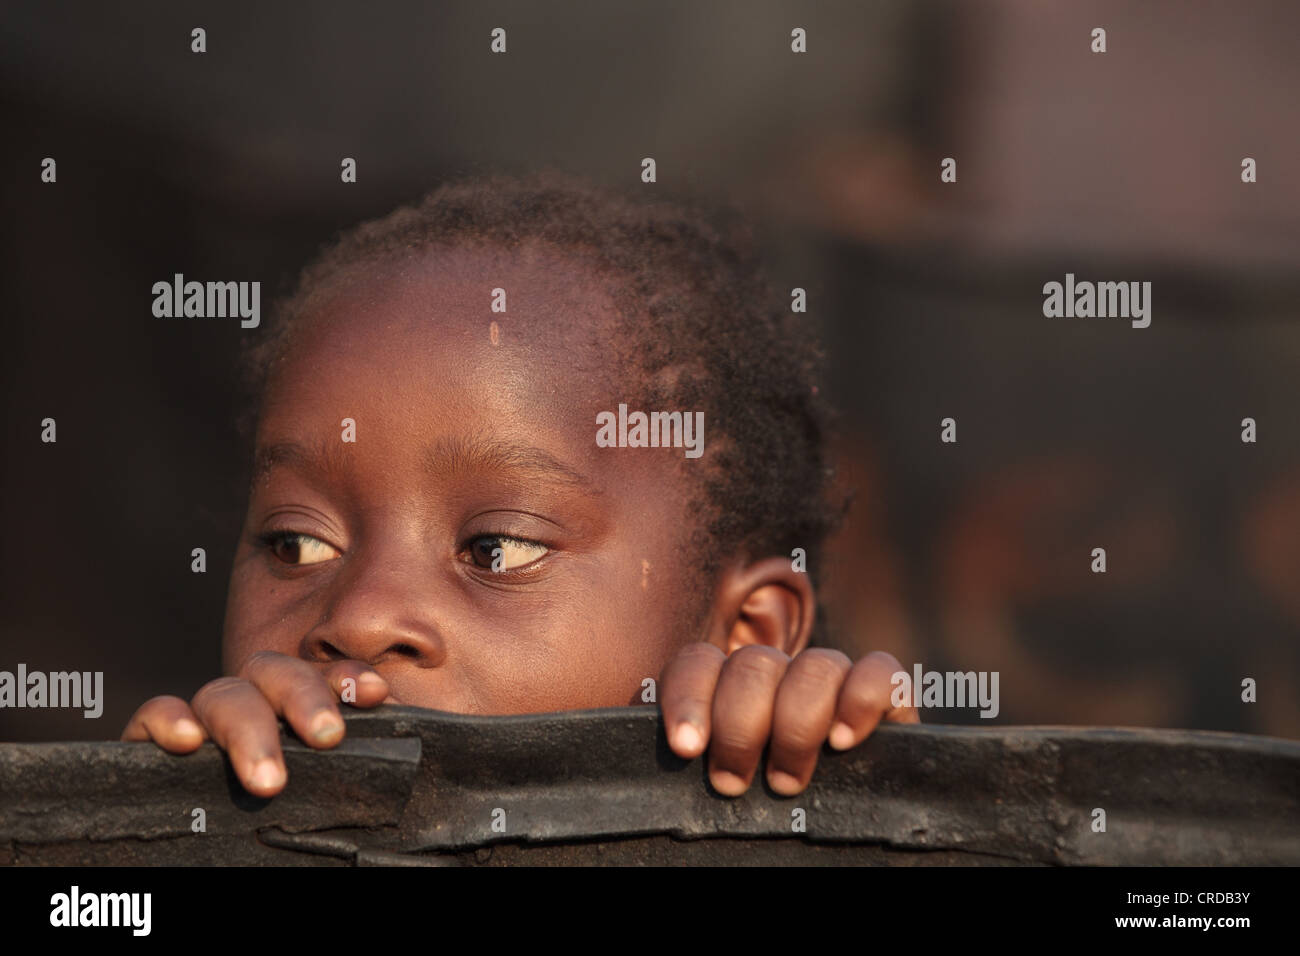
(767, 602)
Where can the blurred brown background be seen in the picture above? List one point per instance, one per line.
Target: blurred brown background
(1072, 433)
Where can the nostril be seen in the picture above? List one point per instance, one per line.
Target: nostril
(372, 644)
(329, 652)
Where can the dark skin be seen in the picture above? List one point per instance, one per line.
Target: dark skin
(474, 551)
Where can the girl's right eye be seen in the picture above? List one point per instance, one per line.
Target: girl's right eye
(291, 547)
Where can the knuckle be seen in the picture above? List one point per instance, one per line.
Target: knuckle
(823, 666)
(735, 745)
(306, 683)
(797, 732)
(697, 655)
(757, 662)
(883, 661)
(681, 679)
(739, 737)
(159, 704)
(217, 690)
(261, 662)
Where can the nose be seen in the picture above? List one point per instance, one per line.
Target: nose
(381, 611)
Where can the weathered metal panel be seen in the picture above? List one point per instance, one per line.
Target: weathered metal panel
(414, 786)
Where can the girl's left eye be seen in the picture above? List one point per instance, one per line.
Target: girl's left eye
(291, 547)
(496, 552)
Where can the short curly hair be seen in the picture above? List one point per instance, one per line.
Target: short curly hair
(699, 326)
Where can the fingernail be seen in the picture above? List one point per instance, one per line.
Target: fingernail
(267, 774)
(727, 783)
(372, 679)
(783, 783)
(841, 736)
(326, 728)
(689, 737)
(188, 728)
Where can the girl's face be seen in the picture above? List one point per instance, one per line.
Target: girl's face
(474, 443)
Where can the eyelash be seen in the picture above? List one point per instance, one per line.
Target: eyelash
(468, 548)
(268, 541)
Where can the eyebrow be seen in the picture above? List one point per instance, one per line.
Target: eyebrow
(326, 457)
(449, 457)
(444, 458)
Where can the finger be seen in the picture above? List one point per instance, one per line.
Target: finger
(298, 692)
(243, 724)
(356, 684)
(686, 697)
(801, 718)
(742, 715)
(865, 700)
(168, 722)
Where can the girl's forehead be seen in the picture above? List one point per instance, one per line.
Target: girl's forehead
(526, 323)
(529, 303)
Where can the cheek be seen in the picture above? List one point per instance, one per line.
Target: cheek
(591, 651)
(633, 637)
(646, 603)
(255, 619)
(584, 659)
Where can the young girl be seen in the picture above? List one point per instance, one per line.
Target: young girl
(442, 513)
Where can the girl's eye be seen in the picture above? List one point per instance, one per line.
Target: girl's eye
(294, 548)
(495, 552)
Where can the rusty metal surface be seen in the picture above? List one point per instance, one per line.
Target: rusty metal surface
(418, 787)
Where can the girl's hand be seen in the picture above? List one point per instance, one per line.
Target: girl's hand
(733, 705)
(239, 714)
